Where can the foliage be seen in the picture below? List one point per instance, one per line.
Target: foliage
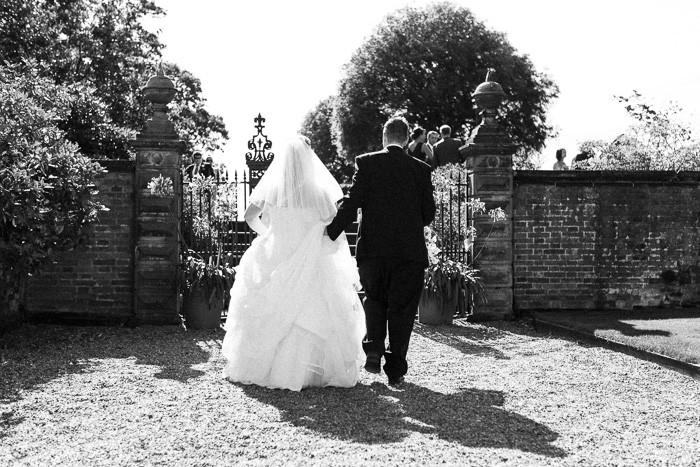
(317, 127)
(658, 141)
(214, 278)
(445, 277)
(196, 126)
(45, 182)
(208, 205)
(425, 63)
(106, 46)
(527, 160)
(450, 237)
(213, 275)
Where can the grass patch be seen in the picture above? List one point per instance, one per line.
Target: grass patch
(674, 333)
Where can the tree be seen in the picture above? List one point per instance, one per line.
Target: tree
(103, 44)
(317, 127)
(425, 63)
(45, 182)
(659, 140)
(195, 125)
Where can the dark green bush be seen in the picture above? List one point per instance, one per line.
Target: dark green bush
(45, 181)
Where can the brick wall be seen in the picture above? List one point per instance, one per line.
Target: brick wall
(94, 283)
(605, 239)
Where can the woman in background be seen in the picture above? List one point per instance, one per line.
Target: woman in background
(560, 164)
(417, 147)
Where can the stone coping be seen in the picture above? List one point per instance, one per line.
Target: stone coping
(605, 177)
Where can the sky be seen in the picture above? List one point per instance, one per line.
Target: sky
(280, 58)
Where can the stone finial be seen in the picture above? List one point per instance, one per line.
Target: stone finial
(159, 91)
(487, 97)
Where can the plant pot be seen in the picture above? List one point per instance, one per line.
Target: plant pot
(434, 309)
(198, 313)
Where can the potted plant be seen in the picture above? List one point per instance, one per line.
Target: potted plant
(206, 286)
(447, 280)
(205, 282)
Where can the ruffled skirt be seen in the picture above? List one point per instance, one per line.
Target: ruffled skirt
(295, 320)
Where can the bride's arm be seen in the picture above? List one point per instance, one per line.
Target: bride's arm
(252, 217)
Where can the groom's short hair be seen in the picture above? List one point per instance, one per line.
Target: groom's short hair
(396, 129)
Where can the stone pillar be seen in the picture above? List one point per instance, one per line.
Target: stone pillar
(158, 152)
(489, 158)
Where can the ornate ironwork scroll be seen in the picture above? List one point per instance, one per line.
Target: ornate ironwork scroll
(259, 159)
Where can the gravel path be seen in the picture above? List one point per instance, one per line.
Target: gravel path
(496, 394)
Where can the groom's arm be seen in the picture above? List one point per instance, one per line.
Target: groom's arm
(350, 203)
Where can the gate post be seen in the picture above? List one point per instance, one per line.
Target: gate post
(489, 159)
(158, 152)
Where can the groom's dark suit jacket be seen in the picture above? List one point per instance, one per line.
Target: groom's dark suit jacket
(395, 192)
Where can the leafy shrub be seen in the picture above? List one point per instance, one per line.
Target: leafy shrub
(659, 140)
(45, 181)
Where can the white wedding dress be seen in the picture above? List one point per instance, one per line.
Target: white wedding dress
(295, 319)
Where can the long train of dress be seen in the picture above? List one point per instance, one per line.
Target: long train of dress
(295, 319)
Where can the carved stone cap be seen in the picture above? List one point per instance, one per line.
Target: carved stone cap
(489, 94)
(159, 89)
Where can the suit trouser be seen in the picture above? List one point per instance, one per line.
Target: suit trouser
(393, 288)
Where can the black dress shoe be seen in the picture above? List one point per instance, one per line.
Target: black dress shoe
(396, 381)
(373, 363)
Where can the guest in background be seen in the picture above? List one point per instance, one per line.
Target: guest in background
(417, 147)
(446, 150)
(186, 162)
(580, 160)
(560, 164)
(195, 168)
(208, 168)
(222, 171)
(433, 138)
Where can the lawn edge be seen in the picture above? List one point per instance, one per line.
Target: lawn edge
(542, 325)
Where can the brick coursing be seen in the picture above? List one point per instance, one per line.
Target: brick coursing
(581, 240)
(94, 283)
(584, 240)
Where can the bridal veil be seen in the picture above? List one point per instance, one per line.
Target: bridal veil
(298, 179)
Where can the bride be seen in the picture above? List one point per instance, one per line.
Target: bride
(295, 319)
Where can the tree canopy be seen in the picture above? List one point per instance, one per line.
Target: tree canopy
(659, 140)
(317, 127)
(425, 63)
(45, 182)
(105, 45)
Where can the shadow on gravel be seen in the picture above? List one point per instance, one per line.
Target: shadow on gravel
(378, 414)
(468, 340)
(7, 421)
(35, 355)
(593, 320)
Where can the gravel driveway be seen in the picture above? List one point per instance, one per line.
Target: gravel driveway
(495, 394)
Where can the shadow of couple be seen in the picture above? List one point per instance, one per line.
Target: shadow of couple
(377, 413)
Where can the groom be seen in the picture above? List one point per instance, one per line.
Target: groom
(395, 193)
